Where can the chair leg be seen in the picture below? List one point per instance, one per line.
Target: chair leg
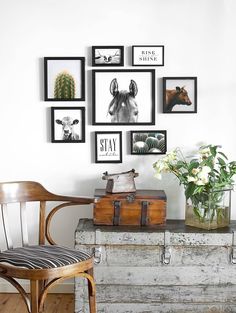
(34, 290)
(91, 292)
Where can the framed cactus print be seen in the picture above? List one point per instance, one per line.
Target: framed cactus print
(64, 78)
(148, 142)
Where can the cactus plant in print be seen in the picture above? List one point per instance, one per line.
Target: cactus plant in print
(152, 142)
(162, 144)
(140, 147)
(64, 87)
(140, 137)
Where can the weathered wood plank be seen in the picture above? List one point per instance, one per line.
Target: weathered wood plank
(165, 275)
(169, 294)
(148, 236)
(163, 308)
(151, 255)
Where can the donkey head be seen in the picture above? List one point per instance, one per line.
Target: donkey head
(123, 107)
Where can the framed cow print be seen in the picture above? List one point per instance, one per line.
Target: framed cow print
(108, 56)
(108, 147)
(123, 97)
(64, 79)
(179, 94)
(68, 124)
(148, 142)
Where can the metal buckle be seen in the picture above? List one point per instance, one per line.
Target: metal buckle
(233, 251)
(166, 255)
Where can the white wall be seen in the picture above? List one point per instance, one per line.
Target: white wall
(199, 40)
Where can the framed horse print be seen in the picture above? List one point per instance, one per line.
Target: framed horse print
(123, 97)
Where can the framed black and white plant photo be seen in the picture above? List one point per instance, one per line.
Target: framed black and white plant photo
(64, 79)
(124, 97)
(108, 147)
(108, 55)
(148, 55)
(68, 124)
(180, 94)
(148, 142)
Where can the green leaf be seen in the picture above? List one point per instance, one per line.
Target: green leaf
(213, 150)
(221, 161)
(223, 155)
(193, 165)
(189, 191)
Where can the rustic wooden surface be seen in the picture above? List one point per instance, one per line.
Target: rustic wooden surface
(130, 207)
(55, 303)
(132, 279)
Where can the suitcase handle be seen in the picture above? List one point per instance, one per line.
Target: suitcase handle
(144, 213)
(116, 218)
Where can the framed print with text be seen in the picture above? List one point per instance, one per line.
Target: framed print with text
(108, 147)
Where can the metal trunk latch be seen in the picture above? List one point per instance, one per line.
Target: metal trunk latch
(233, 251)
(97, 251)
(166, 255)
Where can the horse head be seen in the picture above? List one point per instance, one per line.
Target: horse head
(123, 107)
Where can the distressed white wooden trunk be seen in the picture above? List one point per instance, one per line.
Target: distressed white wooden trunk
(131, 277)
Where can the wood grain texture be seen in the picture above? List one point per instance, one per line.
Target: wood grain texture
(131, 207)
(27, 191)
(132, 278)
(60, 303)
(164, 308)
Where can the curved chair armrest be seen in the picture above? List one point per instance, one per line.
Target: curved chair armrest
(71, 201)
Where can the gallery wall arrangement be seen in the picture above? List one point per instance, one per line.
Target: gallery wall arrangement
(119, 97)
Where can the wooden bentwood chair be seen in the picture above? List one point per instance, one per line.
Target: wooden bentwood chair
(44, 265)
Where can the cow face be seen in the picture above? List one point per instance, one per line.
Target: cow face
(182, 96)
(67, 126)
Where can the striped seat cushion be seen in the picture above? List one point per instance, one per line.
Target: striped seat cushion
(42, 257)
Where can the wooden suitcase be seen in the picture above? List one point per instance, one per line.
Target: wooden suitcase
(143, 207)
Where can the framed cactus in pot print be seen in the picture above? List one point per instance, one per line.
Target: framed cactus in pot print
(64, 78)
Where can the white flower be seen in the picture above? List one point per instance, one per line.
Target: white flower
(205, 152)
(203, 178)
(206, 169)
(200, 182)
(191, 179)
(172, 156)
(195, 171)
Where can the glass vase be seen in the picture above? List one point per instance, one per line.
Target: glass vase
(209, 210)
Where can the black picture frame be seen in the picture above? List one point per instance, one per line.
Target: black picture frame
(148, 142)
(65, 119)
(139, 84)
(107, 56)
(148, 55)
(68, 74)
(180, 95)
(107, 149)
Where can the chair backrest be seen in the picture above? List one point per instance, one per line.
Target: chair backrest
(28, 191)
